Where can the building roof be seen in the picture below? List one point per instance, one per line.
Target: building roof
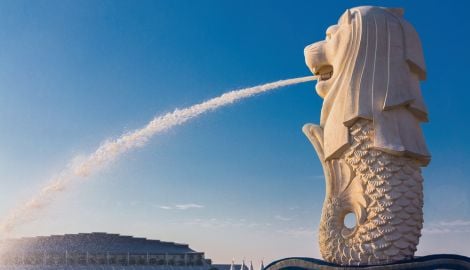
(93, 242)
(105, 267)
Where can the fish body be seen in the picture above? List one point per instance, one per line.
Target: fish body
(383, 191)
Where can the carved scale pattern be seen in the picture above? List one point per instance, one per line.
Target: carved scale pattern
(390, 217)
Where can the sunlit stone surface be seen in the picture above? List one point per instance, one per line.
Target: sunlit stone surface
(369, 140)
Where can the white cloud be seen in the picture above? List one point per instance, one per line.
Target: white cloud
(453, 226)
(281, 218)
(188, 206)
(181, 206)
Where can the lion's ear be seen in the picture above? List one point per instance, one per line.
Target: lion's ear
(346, 17)
(413, 50)
(397, 11)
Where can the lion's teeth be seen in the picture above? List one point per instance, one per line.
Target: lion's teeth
(326, 76)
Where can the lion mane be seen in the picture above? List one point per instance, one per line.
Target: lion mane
(379, 81)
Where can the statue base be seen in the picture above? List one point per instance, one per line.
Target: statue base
(430, 262)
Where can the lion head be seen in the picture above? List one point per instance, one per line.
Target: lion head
(369, 66)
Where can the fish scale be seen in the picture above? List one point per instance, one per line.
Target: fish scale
(393, 213)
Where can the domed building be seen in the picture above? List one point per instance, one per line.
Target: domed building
(98, 251)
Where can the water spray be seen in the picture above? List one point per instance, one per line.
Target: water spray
(110, 150)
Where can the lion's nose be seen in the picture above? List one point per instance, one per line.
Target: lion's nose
(314, 55)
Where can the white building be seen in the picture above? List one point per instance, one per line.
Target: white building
(99, 251)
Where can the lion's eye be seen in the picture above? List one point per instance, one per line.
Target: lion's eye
(331, 31)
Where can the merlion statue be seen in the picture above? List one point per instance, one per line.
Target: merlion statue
(369, 139)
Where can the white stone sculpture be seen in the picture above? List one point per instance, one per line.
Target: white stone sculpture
(369, 140)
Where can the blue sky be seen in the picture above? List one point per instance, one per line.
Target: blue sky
(240, 182)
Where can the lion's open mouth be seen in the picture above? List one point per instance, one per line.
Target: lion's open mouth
(324, 73)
